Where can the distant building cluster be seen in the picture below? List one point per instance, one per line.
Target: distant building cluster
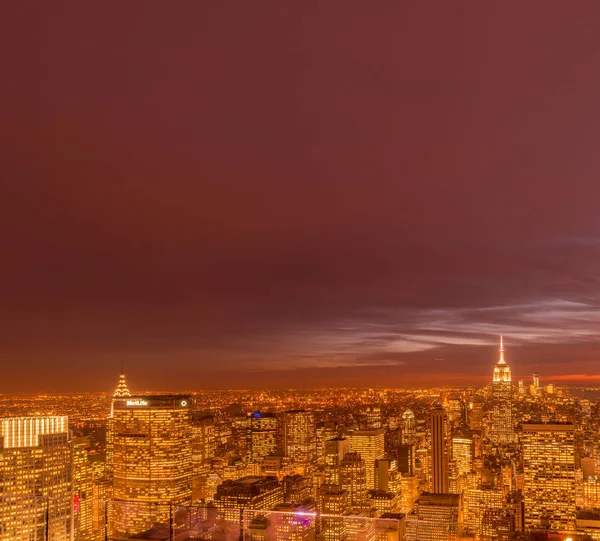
(497, 463)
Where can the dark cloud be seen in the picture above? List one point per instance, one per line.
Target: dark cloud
(307, 195)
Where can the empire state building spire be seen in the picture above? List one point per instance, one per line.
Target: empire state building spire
(502, 426)
(502, 370)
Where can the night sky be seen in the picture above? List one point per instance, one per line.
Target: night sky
(289, 194)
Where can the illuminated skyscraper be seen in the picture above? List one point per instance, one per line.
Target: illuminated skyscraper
(409, 428)
(122, 391)
(353, 479)
(478, 503)
(297, 489)
(83, 492)
(335, 450)
(462, 460)
(299, 441)
(409, 492)
(502, 422)
(203, 451)
(294, 521)
(333, 505)
(383, 502)
(370, 445)
(262, 436)
(536, 383)
(252, 492)
(439, 450)
(437, 517)
(475, 414)
(549, 472)
(152, 459)
(35, 479)
(406, 459)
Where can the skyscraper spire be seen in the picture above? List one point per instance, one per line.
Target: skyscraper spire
(502, 429)
(122, 390)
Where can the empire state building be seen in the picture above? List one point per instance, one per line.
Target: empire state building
(502, 430)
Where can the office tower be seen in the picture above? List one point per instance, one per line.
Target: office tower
(383, 502)
(83, 491)
(372, 417)
(480, 501)
(101, 496)
(122, 391)
(262, 436)
(252, 492)
(151, 459)
(423, 462)
(333, 505)
(386, 470)
(502, 430)
(521, 388)
(240, 427)
(294, 521)
(203, 451)
(322, 434)
(549, 476)
(299, 442)
(203, 437)
(409, 492)
(370, 445)
(439, 450)
(588, 467)
(361, 528)
(536, 384)
(437, 517)
(257, 529)
(297, 488)
(353, 479)
(409, 428)
(236, 468)
(462, 458)
(590, 498)
(475, 415)
(406, 459)
(35, 479)
(335, 450)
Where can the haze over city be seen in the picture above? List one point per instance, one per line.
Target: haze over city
(298, 195)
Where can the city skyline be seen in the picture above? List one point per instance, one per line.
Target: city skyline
(294, 271)
(500, 462)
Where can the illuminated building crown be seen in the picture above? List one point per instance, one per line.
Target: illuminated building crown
(122, 390)
(502, 370)
(408, 414)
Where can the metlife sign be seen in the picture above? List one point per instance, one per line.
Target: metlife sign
(151, 402)
(137, 403)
